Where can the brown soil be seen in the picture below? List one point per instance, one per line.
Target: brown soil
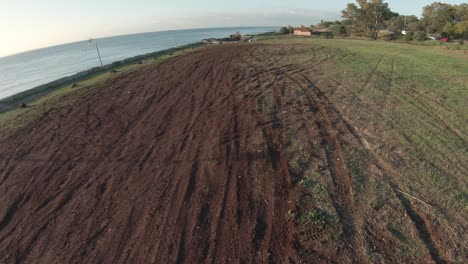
(180, 163)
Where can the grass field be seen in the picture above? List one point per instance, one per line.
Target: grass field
(407, 96)
(368, 138)
(408, 106)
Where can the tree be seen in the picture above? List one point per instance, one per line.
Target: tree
(398, 23)
(338, 30)
(325, 24)
(368, 17)
(290, 29)
(284, 31)
(407, 37)
(447, 30)
(415, 26)
(436, 15)
(346, 22)
(461, 30)
(419, 36)
(461, 12)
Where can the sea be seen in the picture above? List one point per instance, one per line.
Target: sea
(24, 71)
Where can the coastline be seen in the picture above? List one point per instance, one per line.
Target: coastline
(12, 102)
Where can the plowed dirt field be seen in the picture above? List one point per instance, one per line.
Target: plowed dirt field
(223, 155)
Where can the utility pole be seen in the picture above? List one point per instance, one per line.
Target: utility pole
(174, 35)
(97, 49)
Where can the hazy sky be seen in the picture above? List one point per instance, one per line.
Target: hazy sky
(31, 24)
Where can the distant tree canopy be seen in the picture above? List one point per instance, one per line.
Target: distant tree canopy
(461, 12)
(461, 29)
(436, 16)
(449, 20)
(368, 16)
(419, 36)
(398, 23)
(325, 24)
(284, 31)
(338, 30)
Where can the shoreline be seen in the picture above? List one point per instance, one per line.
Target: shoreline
(12, 102)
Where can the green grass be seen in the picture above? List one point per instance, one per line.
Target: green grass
(407, 105)
(410, 103)
(318, 218)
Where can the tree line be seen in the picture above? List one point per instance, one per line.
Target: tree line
(369, 17)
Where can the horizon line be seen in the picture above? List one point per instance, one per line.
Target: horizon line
(129, 34)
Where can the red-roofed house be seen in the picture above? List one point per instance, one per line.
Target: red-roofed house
(302, 31)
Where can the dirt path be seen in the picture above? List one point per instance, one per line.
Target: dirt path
(153, 168)
(184, 162)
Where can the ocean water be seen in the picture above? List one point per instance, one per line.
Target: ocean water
(27, 70)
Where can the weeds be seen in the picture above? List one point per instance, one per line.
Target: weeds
(318, 218)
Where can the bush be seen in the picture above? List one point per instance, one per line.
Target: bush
(284, 31)
(387, 36)
(419, 36)
(407, 37)
(461, 42)
(338, 30)
(461, 29)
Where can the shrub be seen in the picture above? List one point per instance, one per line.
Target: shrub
(448, 30)
(387, 36)
(419, 36)
(284, 31)
(338, 30)
(461, 30)
(461, 42)
(407, 37)
(318, 218)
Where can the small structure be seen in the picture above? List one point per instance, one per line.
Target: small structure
(302, 31)
(234, 38)
(211, 41)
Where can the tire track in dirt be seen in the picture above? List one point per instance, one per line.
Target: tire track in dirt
(342, 195)
(372, 73)
(419, 223)
(429, 236)
(416, 218)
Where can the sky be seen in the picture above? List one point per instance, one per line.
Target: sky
(32, 24)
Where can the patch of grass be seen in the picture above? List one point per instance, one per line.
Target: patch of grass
(407, 106)
(411, 100)
(299, 164)
(318, 218)
(307, 183)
